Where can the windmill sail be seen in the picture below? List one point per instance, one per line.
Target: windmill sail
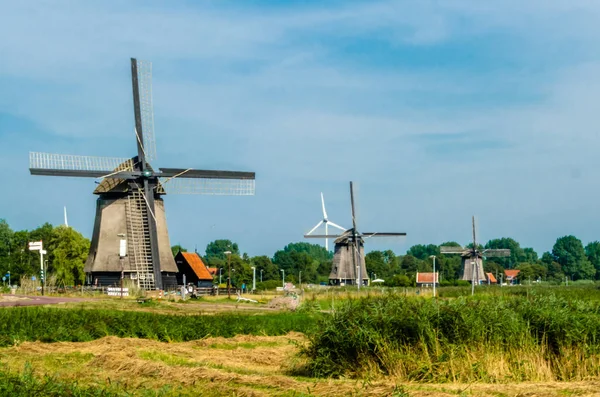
(130, 201)
(472, 258)
(349, 259)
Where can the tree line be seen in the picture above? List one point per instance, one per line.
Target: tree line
(312, 263)
(68, 250)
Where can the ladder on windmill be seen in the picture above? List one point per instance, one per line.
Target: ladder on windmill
(139, 241)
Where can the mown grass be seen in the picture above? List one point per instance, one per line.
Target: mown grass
(486, 338)
(44, 324)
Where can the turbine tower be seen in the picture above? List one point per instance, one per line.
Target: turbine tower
(325, 221)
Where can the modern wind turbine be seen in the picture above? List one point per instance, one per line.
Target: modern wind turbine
(325, 221)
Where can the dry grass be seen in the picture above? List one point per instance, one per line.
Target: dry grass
(240, 366)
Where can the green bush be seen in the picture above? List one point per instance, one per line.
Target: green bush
(268, 285)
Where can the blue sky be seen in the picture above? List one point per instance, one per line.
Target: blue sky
(437, 110)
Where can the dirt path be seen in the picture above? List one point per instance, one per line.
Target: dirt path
(35, 300)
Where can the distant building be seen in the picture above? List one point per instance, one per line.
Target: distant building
(427, 279)
(491, 279)
(196, 272)
(511, 276)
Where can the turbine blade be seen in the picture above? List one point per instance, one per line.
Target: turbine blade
(323, 204)
(335, 225)
(315, 228)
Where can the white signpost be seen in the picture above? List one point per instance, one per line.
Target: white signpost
(122, 254)
(38, 246)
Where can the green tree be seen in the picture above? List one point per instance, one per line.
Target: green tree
(382, 264)
(269, 269)
(217, 249)
(517, 254)
(315, 251)
(592, 251)
(68, 251)
(375, 264)
(240, 271)
(294, 262)
(530, 255)
(324, 269)
(22, 261)
(448, 266)
(176, 248)
(6, 243)
(553, 269)
(423, 252)
(531, 272)
(409, 264)
(568, 251)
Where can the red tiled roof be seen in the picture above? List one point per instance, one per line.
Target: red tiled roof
(427, 278)
(491, 278)
(197, 265)
(212, 270)
(512, 273)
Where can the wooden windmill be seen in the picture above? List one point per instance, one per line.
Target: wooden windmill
(129, 206)
(472, 258)
(349, 256)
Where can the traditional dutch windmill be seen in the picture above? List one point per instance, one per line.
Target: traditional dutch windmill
(130, 205)
(349, 257)
(472, 258)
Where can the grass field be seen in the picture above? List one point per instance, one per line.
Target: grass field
(520, 341)
(239, 366)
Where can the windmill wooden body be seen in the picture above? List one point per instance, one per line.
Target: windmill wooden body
(472, 259)
(348, 265)
(130, 204)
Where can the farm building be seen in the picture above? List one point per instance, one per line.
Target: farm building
(491, 279)
(511, 276)
(426, 279)
(190, 264)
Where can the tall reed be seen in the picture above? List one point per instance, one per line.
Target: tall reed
(464, 339)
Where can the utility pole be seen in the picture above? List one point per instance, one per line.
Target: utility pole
(228, 253)
(434, 277)
(253, 278)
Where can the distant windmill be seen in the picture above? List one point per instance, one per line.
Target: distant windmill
(349, 258)
(129, 205)
(66, 221)
(326, 222)
(472, 259)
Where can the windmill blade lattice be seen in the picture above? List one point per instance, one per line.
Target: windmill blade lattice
(144, 80)
(46, 163)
